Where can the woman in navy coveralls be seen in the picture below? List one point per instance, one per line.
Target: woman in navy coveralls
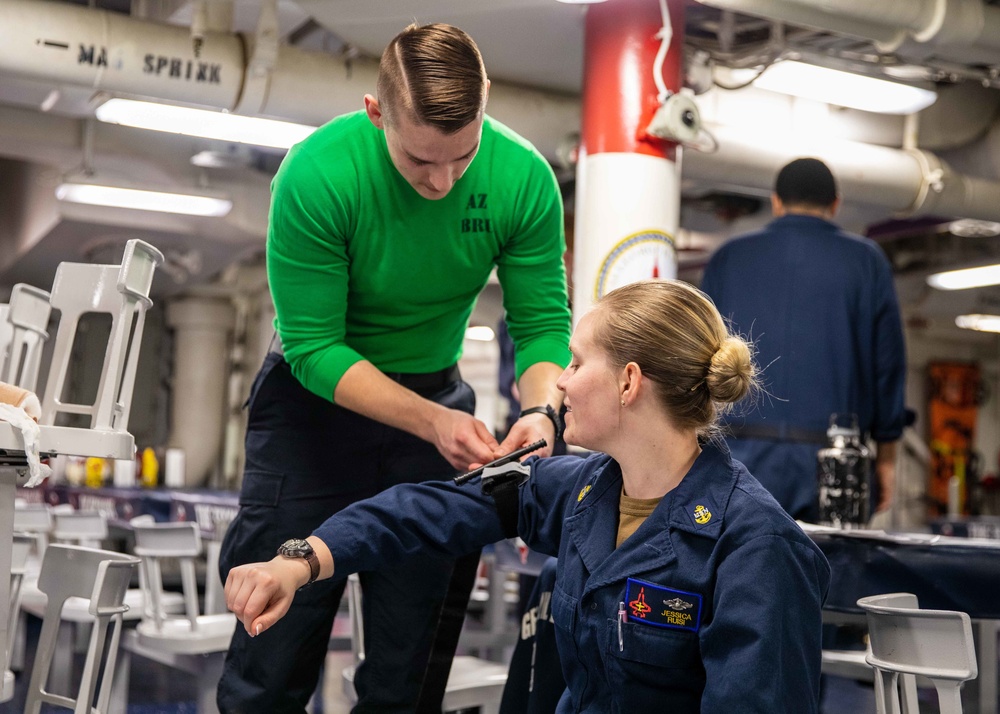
(682, 585)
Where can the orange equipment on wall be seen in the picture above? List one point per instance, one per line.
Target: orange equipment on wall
(954, 395)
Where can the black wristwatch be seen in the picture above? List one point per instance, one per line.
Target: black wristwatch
(548, 411)
(299, 548)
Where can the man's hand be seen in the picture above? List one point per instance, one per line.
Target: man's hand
(261, 593)
(462, 439)
(527, 430)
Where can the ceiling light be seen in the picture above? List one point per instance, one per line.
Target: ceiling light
(844, 89)
(580, 2)
(982, 323)
(966, 278)
(203, 123)
(480, 333)
(143, 200)
(973, 228)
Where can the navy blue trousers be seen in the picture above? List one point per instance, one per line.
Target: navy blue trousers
(306, 459)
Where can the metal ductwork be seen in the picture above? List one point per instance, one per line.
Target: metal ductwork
(902, 181)
(966, 31)
(67, 44)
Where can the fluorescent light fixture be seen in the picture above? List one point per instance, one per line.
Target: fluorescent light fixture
(143, 200)
(966, 278)
(580, 2)
(982, 323)
(480, 333)
(973, 228)
(204, 123)
(844, 89)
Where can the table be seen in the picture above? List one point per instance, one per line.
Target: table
(945, 573)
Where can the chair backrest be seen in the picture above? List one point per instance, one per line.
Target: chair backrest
(907, 641)
(28, 320)
(87, 528)
(121, 291)
(36, 520)
(102, 577)
(157, 541)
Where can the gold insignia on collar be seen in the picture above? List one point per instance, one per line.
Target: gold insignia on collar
(583, 492)
(702, 515)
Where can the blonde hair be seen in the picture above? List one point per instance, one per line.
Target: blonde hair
(435, 74)
(680, 342)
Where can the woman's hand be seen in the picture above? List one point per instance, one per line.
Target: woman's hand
(261, 593)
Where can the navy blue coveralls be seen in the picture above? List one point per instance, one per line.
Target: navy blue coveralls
(712, 605)
(820, 306)
(296, 443)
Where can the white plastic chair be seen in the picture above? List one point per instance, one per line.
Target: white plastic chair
(121, 291)
(191, 642)
(28, 320)
(472, 683)
(36, 520)
(102, 577)
(86, 528)
(907, 641)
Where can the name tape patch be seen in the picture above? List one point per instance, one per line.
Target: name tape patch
(651, 604)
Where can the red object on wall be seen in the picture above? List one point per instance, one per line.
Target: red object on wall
(619, 94)
(953, 405)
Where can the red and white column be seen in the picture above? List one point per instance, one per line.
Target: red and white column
(628, 182)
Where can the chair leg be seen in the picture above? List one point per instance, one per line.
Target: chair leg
(19, 643)
(208, 683)
(118, 704)
(949, 697)
(61, 672)
(886, 695)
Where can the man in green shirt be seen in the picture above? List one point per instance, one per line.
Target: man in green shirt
(385, 226)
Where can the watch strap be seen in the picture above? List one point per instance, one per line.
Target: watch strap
(302, 549)
(548, 411)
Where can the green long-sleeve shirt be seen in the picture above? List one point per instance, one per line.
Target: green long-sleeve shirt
(361, 266)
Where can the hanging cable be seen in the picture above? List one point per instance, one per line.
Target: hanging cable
(665, 35)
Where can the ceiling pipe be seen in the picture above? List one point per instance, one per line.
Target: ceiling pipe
(115, 53)
(67, 44)
(960, 30)
(906, 182)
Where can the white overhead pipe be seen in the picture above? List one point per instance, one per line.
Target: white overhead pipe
(959, 30)
(906, 182)
(68, 44)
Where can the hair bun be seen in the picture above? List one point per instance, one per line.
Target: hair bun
(731, 373)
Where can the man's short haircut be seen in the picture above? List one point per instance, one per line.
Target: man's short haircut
(435, 74)
(806, 182)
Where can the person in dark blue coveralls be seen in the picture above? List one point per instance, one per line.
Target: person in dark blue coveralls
(820, 306)
(682, 585)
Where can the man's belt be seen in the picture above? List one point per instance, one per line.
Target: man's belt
(422, 382)
(778, 432)
(425, 382)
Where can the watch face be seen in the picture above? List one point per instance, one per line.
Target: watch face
(295, 548)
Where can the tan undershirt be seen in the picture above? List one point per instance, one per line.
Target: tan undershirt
(632, 513)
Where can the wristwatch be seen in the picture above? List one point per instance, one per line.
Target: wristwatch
(299, 548)
(548, 411)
